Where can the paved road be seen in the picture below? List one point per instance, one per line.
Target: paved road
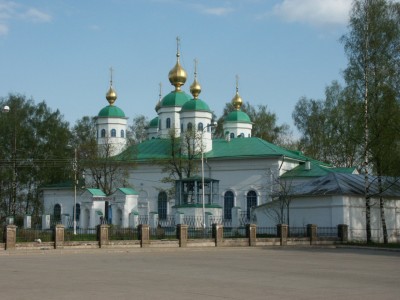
(206, 273)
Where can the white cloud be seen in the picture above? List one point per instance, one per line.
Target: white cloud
(35, 15)
(11, 11)
(3, 29)
(315, 12)
(215, 11)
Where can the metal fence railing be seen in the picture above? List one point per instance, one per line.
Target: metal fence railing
(34, 235)
(327, 231)
(118, 233)
(200, 233)
(161, 233)
(297, 231)
(82, 234)
(193, 221)
(265, 232)
(234, 232)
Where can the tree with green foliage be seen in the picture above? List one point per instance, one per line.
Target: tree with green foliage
(138, 130)
(323, 124)
(372, 46)
(33, 154)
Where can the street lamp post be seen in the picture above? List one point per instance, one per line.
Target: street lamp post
(11, 209)
(75, 168)
(202, 173)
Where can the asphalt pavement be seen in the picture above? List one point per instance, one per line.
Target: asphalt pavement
(201, 273)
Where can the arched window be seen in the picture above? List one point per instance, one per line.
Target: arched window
(57, 213)
(168, 123)
(122, 133)
(113, 133)
(103, 133)
(200, 127)
(251, 202)
(228, 204)
(189, 126)
(78, 211)
(232, 136)
(162, 205)
(181, 127)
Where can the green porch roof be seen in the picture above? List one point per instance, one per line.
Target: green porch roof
(128, 191)
(96, 192)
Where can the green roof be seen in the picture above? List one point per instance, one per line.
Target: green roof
(316, 170)
(249, 147)
(236, 148)
(96, 192)
(128, 191)
(111, 111)
(195, 105)
(154, 123)
(237, 116)
(175, 98)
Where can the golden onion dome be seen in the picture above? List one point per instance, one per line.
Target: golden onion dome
(177, 76)
(195, 89)
(111, 95)
(237, 100)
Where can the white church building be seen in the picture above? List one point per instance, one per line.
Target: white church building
(240, 174)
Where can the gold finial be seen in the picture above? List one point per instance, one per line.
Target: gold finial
(195, 88)
(111, 95)
(177, 76)
(158, 105)
(178, 43)
(237, 100)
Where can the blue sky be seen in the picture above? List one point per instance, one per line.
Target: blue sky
(60, 51)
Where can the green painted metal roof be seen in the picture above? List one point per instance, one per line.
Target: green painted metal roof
(195, 105)
(96, 192)
(236, 148)
(316, 170)
(249, 147)
(128, 191)
(175, 98)
(111, 111)
(154, 123)
(237, 116)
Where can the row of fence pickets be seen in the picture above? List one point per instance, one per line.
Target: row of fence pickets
(162, 233)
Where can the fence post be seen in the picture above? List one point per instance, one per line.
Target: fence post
(283, 233)
(251, 234)
(102, 234)
(343, 232)
(218, 234)
(11, 237)
(312, 233)
(144, 231)
(182, 231)
(59, 236)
